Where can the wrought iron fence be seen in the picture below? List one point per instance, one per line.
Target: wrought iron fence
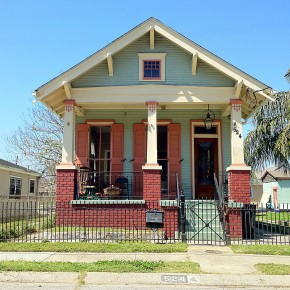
(259, 223)
(63, 222)
(119, 220)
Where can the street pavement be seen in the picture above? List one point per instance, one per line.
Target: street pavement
(223, 269)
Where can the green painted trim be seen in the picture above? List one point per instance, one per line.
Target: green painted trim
(115, 201)
(168, 203)
(233, 204)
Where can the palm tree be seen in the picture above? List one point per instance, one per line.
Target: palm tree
(269, 142)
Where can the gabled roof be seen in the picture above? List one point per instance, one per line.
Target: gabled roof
(59, 87)
(6, 165)
(274, 174)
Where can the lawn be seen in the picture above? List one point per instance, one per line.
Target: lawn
(102, 266)
(122, 247)
(261, 249)
(273, 269)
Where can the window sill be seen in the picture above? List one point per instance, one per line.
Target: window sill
(115, 201)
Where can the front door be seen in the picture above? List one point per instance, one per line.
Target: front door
(205, 164)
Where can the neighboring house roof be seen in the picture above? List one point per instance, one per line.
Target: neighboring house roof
(6, 165)
(274, 174)
(59, 89)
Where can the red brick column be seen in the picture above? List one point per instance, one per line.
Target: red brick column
(152, 185)
(65, 189)
(65, 184)
(239, 189)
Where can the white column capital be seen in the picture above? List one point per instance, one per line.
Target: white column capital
(69, 105)
(152, 105)
(236, 104)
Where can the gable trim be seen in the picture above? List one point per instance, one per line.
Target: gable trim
(134, 34)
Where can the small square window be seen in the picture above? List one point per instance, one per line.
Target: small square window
(151, 66)
(151, 69)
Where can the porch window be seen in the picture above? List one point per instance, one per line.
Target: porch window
(162, 156)
(100, 144)
(15, 187)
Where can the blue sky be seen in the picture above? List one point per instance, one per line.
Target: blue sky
(39, 39)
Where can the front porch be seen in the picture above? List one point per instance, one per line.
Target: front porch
(96, 185)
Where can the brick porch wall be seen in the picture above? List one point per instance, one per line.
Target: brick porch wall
(117, 216)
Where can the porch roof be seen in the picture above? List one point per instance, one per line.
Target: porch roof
(54, 92)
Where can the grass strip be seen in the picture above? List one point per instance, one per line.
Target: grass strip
(124, 247)
(273, 269)
(102, 266)
(261, 249)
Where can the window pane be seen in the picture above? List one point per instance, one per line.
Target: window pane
(31, 186)
(12, 186)
(151, 69)
(205, 162)
(162, 142)
(100, 148)
(18, 186)
(203, 130)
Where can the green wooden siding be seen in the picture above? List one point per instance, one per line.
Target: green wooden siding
(183, 117)
(178, 67)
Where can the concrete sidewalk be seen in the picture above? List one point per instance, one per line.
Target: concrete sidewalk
(223, 268)
(212, 259)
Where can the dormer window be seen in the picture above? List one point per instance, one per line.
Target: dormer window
(151, 66)
(151, 69)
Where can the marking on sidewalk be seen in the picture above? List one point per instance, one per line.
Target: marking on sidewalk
(179, 279)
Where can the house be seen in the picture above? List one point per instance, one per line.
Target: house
(276, 188)
(153, 108)
(17, 182)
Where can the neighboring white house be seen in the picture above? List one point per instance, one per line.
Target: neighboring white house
(17, 182)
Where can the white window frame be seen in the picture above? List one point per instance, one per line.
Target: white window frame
(16, 178)
(30, 180)
(151, 56)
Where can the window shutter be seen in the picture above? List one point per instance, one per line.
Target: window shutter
(174, 156)
(117, 131)
(139, 157)
(139, 146)
(82, 145)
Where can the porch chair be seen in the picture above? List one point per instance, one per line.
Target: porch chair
(122, 183)
(87, 188)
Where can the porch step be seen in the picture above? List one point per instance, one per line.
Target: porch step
(203, 221)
